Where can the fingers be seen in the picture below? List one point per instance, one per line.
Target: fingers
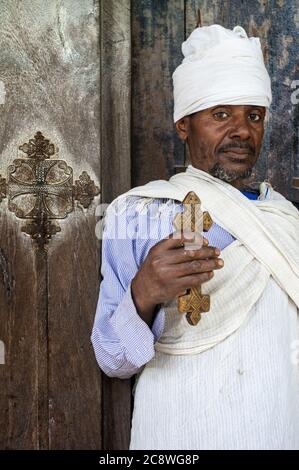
(194, 280)
(182, 256)
(205, 241)
(198, 266)
(177, 240)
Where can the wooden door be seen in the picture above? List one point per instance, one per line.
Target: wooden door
(50, 392)
(86, 87)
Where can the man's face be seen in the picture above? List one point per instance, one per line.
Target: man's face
(225, 140)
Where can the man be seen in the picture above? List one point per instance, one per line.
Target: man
(230, 382)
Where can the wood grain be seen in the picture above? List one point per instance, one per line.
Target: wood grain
(116, 177)
(157, 34)
(19, 312)
(95, 77)
(51, 385)
(115, 98)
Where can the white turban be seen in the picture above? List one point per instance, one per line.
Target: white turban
(220, 66)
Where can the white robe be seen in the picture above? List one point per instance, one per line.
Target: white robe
(241, 394)
(231, 382)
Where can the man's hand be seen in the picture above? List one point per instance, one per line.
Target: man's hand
(169, 269)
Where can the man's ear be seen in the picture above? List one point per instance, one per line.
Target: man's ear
(182, 127)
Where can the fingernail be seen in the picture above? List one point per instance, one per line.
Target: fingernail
(217, 251)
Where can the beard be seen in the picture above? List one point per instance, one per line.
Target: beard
(218, 171)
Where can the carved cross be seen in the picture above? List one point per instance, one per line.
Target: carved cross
(41, 189)
(193, 303)
(43, 179)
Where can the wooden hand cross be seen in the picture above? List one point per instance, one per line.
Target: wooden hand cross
(192, 219)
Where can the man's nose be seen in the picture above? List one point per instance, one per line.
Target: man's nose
(240, 128)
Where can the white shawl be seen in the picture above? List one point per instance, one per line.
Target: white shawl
(267, 243)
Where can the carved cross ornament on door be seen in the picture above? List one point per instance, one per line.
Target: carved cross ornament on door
(41, 190)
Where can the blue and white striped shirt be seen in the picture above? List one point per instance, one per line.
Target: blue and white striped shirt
(123, 343)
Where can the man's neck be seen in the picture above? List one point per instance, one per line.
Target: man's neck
(239, 184)
(242, 184)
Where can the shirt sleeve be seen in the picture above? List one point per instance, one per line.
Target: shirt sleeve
(123, 343)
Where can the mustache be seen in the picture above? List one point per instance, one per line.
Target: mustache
(237, 145)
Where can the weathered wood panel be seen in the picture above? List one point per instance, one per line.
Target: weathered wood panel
(276, 23)
(75, 412)
(68, 72)
(157, 34)
(116, 177)
(21, 307)
(75, 407)
(115, 97)
(51, 385)
(19, 312)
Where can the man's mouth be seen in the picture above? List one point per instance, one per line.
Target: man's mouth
(237, 155)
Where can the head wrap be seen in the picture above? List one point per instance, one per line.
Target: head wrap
(220, 66)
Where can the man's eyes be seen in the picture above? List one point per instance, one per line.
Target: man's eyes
(220, 114)
(255, 117)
